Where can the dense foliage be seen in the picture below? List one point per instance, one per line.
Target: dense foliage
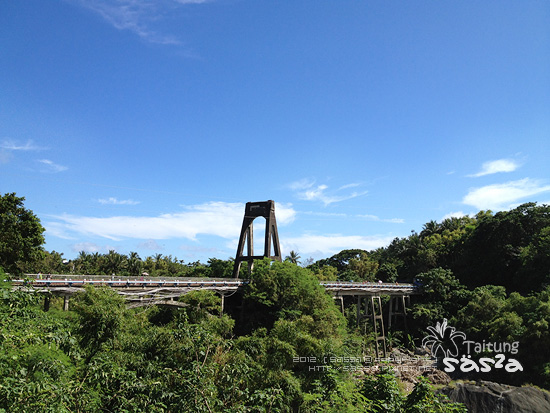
(102, 357)
(489, 275)
(21, 236)
(131, 265)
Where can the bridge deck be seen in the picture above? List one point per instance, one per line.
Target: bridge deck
(174, 287)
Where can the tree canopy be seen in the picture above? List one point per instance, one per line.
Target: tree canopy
(21, 234)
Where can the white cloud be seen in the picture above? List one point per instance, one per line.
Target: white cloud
(302, 184)
(131, 15)
(57, 229)
(12, 145)
(51, 166)
(139, 16)
(308, 190)
(502, 196)
(352, 185)
(215, 218)
(91, 247)
(378, 219)
(8, 146)
(457, 214)
(192, 1)
(150, 245)
(331, 244)
(499, 165)
(324, 214)
(196, 251)
(284, 213)
(115, 201)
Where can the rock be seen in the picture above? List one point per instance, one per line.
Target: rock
(437, 377)
(488, 397)
(421, 351)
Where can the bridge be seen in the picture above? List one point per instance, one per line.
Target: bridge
(147, 291)
(140, 291)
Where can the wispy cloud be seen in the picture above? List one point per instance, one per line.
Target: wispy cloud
(194, 251)
(352, 185)
(215, 218)
(309, 190)
(329, 244)
(192, 1)
(91, 247)
(457, 214)
(497, 166)
(135, 16)
(51, 166)
(339, 215)
(378, 219)
(12, 145)
(503, 196)
(139, 16)
(115, 201)
(8, 148)
(150, 245)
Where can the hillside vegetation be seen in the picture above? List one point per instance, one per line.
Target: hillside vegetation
(488, 275)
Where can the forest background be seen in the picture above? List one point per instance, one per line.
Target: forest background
(487, 274)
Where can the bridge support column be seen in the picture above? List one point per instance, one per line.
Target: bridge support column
(223, 304)
(371, 307)
(65, 303)
(377, 318)
(398, 308)
(341, 299)
(47, 303)
(359, 315)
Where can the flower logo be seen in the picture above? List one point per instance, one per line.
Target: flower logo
(443, 339)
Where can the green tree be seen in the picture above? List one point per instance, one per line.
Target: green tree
(135, 265)
(21, 234)
(49, 263)
(443, 295)
(220, 268)
(102, 313)
(284, 290)
(114, 263)
(326, 273)
(293, 257)
(339, 261)
(501, 246)
(364, 268)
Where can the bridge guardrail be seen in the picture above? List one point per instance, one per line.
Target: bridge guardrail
(176, 282)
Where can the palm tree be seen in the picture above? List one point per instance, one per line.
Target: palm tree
(134, 264)
(115, 262)
(429, 228)
(158, 260)
(293, 257)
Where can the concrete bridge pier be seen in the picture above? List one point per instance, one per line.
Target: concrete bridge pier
(341, 299)
(370, 306)
(398, 309)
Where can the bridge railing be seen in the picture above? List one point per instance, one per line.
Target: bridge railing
(61, 280)
(128, 282)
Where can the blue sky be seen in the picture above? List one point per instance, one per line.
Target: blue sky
(145, 126)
